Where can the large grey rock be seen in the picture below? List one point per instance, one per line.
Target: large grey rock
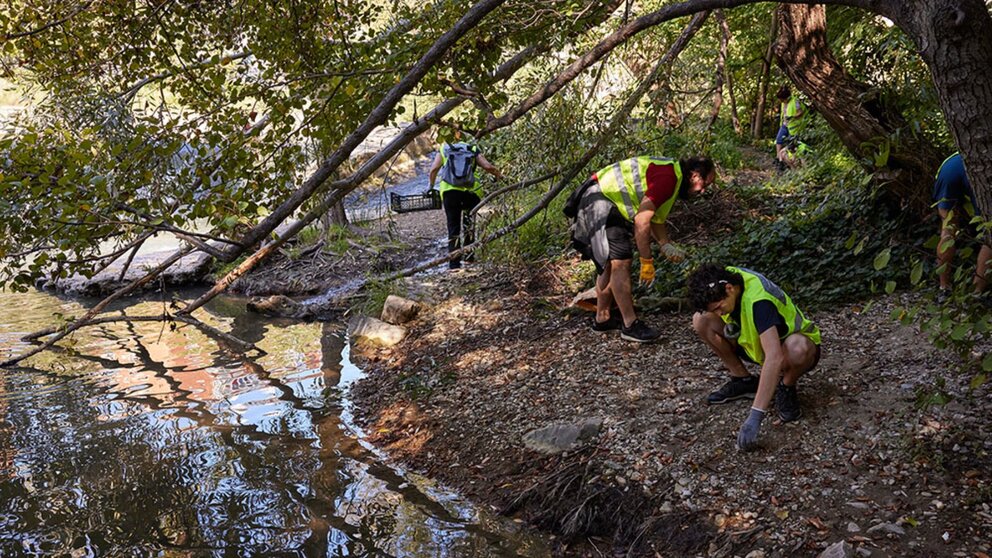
(838, 550)
(371, 330)
(889, 528)
(398, 310)
(560, 437)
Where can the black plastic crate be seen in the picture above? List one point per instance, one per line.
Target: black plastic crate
(415, 202)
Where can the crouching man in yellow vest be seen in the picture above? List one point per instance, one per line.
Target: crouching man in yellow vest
(624, 202)
(743, 315)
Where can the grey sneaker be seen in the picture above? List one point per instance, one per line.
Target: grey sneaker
(787, 403)
(639, 332)
(736, 388)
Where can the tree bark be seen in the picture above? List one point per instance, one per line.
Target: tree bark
(721, 64)
(954, 38)
(728, 75)
(758, 119)
(866, 127)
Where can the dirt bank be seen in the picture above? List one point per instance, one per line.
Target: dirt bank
(497, 357)
(394, 242)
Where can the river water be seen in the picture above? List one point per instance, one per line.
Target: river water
(138, 439)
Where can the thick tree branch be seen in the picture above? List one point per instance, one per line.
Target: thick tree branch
(619, 119)
(376, 117)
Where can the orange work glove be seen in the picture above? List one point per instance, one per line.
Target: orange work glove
(647, 271)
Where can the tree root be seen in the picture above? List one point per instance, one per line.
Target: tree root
(576, 501)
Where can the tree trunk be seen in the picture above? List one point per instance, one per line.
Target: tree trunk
(868, 129)
(721, 64)
(758, 120)
(954, 38)
(728, 75)
(335, 216)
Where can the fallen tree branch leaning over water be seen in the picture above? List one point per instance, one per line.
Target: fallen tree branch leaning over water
(376, 117)
(61, 333)
(604, 138)
(238, 344)
(342, 187)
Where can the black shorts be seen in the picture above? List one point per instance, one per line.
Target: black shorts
(742, 354)
(620, 236)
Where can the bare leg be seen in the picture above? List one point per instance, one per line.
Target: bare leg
(945, 248)
(800, 356)
(604, 294)
(620, 285)
(981, 273)
(709, 327)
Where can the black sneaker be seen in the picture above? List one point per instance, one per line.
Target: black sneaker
(614, 322)
(787, 403)
(639, 332)
(736, 388)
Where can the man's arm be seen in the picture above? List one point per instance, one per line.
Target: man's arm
(435, 166)
(770, 370)
(669, 249)
(747, 438)
(643, 228)
(487, 166)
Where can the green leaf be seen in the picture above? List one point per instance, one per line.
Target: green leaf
(860, 247)
(882, 259)
(978, 380)
(960, 331)
(917, 273)
(890, 287)
(987, 363)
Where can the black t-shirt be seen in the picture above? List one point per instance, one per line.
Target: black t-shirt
(765, 316)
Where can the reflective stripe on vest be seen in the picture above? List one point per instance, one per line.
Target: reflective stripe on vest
(758, 287)
(625, 184)
(789, 110)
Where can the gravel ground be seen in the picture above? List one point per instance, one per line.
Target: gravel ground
(497, 355)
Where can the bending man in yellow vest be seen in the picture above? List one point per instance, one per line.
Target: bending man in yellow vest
(792, 121)
(743, 315)
(622, 206)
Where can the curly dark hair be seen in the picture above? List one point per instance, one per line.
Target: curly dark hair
(706, 285)
(703, 165)
(783, 93)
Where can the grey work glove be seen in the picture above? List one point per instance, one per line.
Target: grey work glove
(747, 438)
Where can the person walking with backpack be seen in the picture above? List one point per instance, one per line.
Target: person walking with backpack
(624, 206)
(743, 316)
(460, 191)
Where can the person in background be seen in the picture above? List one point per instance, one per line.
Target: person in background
(955, 202)
(460, 190)
(792, 120)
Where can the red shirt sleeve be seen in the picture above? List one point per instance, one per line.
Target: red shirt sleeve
(661, 183)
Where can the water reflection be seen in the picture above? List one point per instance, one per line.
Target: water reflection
(143, 439)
